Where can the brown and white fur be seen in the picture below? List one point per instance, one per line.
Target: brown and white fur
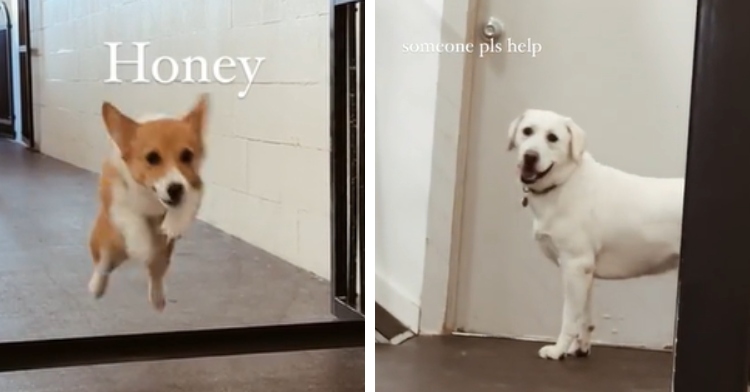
(150, 191)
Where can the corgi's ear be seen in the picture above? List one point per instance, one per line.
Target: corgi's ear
(197, 116)
(120, 127)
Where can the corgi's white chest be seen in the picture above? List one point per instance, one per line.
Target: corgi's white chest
(129, 211)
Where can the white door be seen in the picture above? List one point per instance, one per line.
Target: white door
(622, 70)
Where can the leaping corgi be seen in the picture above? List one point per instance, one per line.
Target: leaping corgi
(150, 190)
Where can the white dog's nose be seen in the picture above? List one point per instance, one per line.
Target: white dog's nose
(530, 158)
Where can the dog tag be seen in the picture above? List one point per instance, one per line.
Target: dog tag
(525, 201)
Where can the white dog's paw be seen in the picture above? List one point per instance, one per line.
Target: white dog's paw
(581, 346)
(552, 352)
(98, 284)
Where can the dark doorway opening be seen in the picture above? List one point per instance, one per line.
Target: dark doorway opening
(24, 59)
(10, 119)
(7, 129)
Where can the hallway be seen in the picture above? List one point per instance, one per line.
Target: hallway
(216, 280)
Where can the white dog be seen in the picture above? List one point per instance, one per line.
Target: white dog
(592, 220)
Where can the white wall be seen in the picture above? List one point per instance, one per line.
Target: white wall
(267, 170)
(405, 98)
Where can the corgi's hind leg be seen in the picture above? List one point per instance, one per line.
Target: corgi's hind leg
(107, 254)
(157, 269)
(105, 264)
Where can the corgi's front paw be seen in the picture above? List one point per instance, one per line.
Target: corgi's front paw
(178, 219)
(174, 225)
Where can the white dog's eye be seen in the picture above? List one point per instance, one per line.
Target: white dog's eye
(551, 137)
(527, 131)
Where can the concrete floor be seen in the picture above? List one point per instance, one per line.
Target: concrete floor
(216, 280)
(449, 364)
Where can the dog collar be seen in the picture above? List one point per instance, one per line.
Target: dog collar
(525, 201)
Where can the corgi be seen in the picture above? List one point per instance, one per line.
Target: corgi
(150, 190)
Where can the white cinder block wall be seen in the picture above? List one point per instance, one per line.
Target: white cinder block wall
(267, 170)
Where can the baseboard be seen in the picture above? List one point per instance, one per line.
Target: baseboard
(396, 303)
(388, 329)
(380, 339)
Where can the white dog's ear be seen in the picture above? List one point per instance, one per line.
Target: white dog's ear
(577, 139)
(512, 130)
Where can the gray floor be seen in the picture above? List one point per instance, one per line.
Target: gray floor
(450, 364)
(46, 208)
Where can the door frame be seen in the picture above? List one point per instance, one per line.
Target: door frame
(8, 128)
(713, 298)
(25, 53)
(713, 295)
(448, 171)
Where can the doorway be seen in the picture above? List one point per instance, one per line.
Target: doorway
(628, 87)
(25, 51)
(6, 75)
(16, 102)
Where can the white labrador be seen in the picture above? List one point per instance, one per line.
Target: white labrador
(592, 220)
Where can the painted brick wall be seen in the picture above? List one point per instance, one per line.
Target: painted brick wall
(267, 168)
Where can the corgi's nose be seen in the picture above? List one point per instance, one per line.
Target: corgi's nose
(175, 192)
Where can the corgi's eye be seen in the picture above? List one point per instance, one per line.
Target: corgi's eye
(153, 158)
(186, 156)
